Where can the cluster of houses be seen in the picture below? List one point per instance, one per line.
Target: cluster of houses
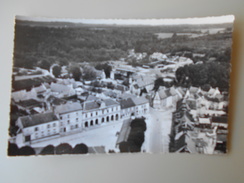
(199, 123)
(54, 107)
(64, 106)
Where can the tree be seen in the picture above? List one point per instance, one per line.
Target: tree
(63, 148)
(124, 147)
(56, 71)
(107, 69)
(44, 64)
(76, 73)
(139, 123)
(13, 149)
(27, 150)
(80, 149)
(48, 150)
(89, 73)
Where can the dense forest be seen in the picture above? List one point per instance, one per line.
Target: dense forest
(36, 44)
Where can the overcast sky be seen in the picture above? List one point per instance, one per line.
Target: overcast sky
(205, 20)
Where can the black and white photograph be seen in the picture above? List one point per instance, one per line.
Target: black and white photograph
(103, 86)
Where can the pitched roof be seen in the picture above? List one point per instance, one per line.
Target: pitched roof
(109, 102)
(139, 100)
(222, 137)
(91, 98)
(91, 105)
(40, 88)
(220, 119)
(60, 88)
(55, 100)
(68, 107)
(192, 104)
(37, 119)
(29, 103)
(193, 89)
(162, 94)
(30, 83)
(126, 103)
(204, 120)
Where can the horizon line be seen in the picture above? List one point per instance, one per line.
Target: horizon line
(151, 22)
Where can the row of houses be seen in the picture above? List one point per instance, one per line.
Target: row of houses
(75, 117)
(197, 134)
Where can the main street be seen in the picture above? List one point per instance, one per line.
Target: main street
(158, 130)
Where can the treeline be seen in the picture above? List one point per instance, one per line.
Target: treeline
(214, 74)
(37, 44)
(63, 148)
(136, 136)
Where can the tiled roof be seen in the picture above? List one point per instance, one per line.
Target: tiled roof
(28, 84)
(126, 103)
(193, 89)
(162, 94)
(139, 100)
(30, 103)
(109, 102)
(55, 100)
(220, 119)
(91, 105)
(222, 137)
(204, 120)
(69, 107)
(91, 98)
(60, 88)
(37, 119)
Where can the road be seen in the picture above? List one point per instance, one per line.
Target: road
(158, 130)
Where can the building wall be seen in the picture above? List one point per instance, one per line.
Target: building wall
(41, 131)
(71, 121)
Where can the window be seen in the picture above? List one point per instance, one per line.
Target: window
(102, 120)
(96, 113)
(91, 114)
(96, 122)
(54, 124)
(61, 117)
(76, 126)
(36, 129)
(112, 118)
(77, 114)
(91, 123)
(86, 124)
(27, 138)
(86, 115)
(48, 126)
(68, 121)
(68, 116)
(117, 117)
(107, 118)
(76, 119)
